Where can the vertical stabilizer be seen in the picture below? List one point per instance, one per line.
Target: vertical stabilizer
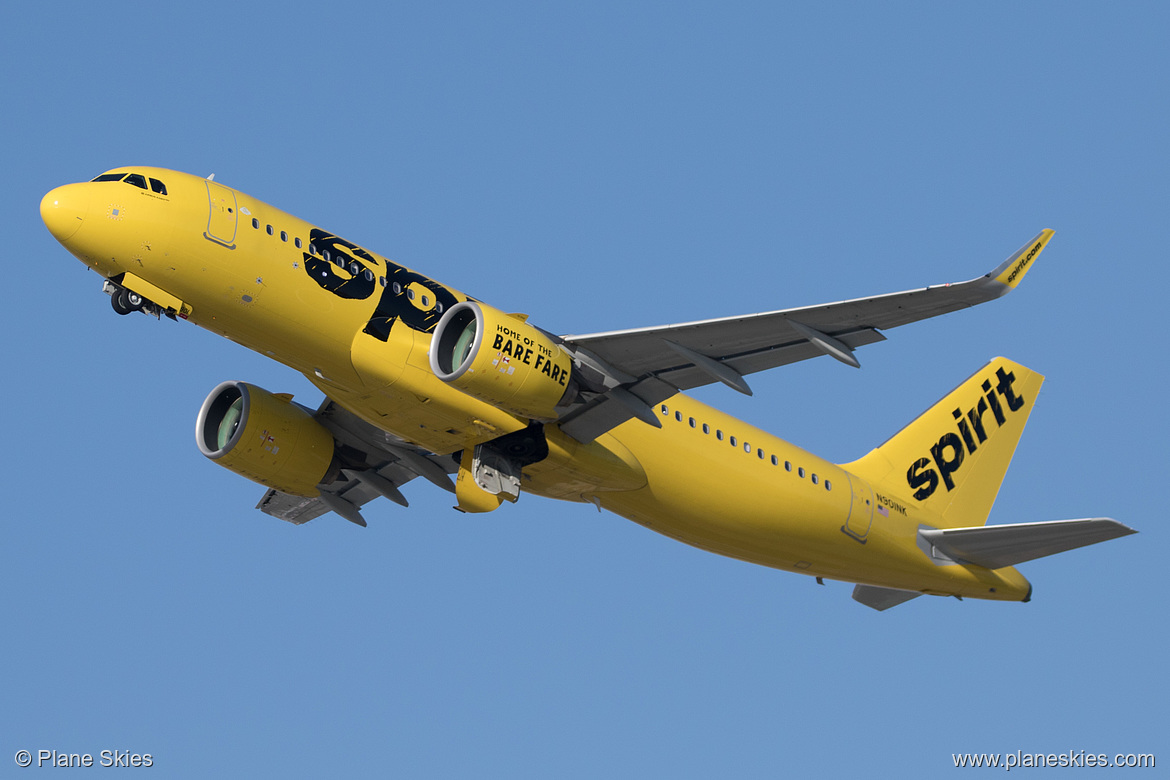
(951, 460)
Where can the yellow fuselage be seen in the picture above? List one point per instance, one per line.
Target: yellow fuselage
(243, 269)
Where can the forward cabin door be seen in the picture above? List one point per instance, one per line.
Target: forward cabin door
(222, 218)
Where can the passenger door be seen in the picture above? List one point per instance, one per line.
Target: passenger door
(861, 510)
(222, 218)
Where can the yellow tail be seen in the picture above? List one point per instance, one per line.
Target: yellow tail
(951, 460)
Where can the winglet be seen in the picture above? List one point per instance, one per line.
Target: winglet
(1012, 270)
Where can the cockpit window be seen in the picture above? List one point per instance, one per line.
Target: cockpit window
(137, 179)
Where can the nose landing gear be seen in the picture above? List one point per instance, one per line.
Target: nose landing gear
(124, 301)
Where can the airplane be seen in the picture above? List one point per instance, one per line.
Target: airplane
(422, 380)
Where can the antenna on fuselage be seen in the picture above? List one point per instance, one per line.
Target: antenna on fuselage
(211, 177)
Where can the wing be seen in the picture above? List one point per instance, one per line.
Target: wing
(630, 371)
(376, 463)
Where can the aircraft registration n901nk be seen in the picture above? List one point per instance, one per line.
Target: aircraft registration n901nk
(421, 380)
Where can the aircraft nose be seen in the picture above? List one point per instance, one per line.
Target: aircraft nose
(64, 209)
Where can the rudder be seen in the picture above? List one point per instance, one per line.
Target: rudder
(951, 460)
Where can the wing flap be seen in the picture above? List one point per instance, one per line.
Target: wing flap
(297, 510)
(376, 464)
(355, 490)
(684, 377)
(996, 546)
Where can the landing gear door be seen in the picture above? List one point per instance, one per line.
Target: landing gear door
(861, 511)
(222, 219)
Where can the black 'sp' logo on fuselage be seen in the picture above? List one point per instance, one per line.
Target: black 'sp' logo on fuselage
(356, 281)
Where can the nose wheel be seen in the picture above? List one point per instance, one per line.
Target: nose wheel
(125, 301)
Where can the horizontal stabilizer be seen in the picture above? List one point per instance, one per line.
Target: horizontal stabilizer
(882, 599)
(996, 546)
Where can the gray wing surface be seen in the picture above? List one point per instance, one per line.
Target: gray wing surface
(654, 363)
(377, 465)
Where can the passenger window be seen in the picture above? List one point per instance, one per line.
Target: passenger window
(369, 275)
(269, 229)
(678, 416)
(775, 461)
(439, 306)
(426, 301)
(693, 422)
(312, 247)
(382, 280)
(397, 288)
(410, 293)
(137, 179)
(283, 236)
(111, 177)
(158, 186)
(828, 485)
(255, 223)
(719, 435)
(814, 479)
(325, 254)
(760, 453)
(747, 447)
(800, 471)
(788, 465)
(354, 268)
(733, 441)
(297, 242)
(706, 428)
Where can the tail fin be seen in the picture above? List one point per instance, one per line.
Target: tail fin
(951, 460)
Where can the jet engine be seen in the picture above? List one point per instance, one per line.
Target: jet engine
(501, 359)
(264, 437)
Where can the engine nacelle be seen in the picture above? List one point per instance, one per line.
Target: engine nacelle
(500, 359)
(264, 437)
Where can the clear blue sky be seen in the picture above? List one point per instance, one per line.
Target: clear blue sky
(598, 166)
